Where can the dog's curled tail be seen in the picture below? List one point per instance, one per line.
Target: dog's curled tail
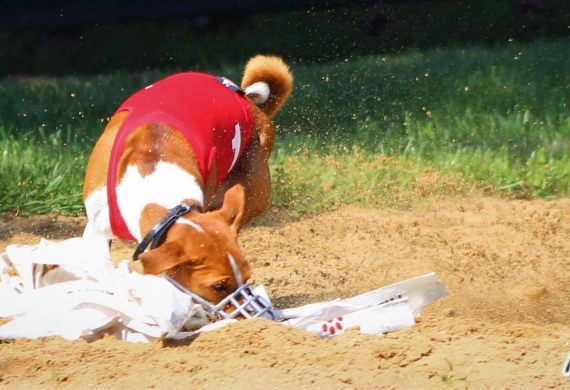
(268, 82)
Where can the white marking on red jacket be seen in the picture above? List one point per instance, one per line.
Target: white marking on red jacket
(236, 145)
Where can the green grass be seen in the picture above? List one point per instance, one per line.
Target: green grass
(384, 130)
(42, 173)
(449, 121)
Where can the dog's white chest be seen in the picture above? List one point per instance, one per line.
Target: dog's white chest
(167, 186)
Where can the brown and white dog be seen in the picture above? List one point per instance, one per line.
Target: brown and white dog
(143, 165)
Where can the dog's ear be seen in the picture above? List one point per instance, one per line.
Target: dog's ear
(162, 258)
(232, 211)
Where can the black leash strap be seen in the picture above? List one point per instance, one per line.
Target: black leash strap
(158, 231)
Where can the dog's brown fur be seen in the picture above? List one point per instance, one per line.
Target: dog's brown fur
(252, 171)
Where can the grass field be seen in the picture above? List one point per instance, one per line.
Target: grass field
(384, 130)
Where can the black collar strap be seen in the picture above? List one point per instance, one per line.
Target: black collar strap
(229, 84)
(159, 230)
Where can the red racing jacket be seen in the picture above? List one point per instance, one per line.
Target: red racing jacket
(211, 112)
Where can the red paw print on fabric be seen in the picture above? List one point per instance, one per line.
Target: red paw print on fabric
(333, 326)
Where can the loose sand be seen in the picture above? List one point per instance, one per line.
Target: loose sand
(504, 325)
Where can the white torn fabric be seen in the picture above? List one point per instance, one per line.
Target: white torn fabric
(82, 295)
(374, 312)
(86, 295)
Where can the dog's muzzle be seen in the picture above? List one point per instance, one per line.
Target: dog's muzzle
(244, 300)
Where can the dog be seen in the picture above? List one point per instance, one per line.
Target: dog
(183, 164)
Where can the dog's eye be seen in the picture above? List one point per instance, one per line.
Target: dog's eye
(221, 288)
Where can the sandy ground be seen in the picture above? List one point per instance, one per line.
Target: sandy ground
(505, 264)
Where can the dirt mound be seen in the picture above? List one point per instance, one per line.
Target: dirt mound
(505, 264)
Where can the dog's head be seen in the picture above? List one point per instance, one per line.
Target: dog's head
(201, 251)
